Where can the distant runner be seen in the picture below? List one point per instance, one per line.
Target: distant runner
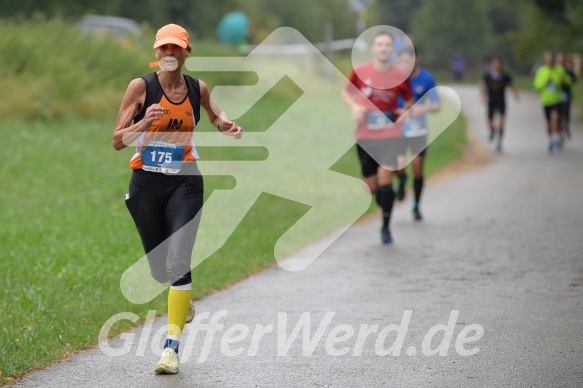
(549, 81)
(493, 87)
(416, 128)
(379, 133)
(567, 94)
(457, 64)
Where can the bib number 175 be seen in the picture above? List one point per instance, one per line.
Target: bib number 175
(161, 157)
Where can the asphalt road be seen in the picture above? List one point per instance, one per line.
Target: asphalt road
(500, 252)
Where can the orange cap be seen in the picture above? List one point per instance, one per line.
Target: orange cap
(172, 33)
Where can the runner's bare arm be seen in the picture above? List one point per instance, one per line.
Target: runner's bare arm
(404, 112)
(216, 115)
(133, 100)
(515, 92)
(482, 91)
(431, 107)
(358, 111)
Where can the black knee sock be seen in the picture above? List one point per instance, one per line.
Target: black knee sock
(385, 199)
(418, 186)
(500, 132)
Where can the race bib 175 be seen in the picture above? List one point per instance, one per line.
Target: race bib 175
(161, 156)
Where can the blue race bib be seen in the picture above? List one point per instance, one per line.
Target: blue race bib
(380, 120)
(551, 87)
(415, 126)
(564, 97)
(161, 156)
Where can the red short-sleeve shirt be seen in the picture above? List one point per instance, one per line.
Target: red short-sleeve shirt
(382, 98)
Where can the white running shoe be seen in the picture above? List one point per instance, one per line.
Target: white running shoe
(168, 363)
(190, 313)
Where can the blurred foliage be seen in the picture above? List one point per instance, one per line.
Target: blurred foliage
(397, 13)
(547, 26)
(519, 30)
(52, 72)
(200, 17)
(441, 28)
(308, 16)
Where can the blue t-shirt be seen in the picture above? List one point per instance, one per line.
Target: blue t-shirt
(457, 62)
(423, 86)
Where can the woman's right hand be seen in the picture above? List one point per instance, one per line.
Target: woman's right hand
(153, 113)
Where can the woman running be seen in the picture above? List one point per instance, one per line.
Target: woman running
(159, 112)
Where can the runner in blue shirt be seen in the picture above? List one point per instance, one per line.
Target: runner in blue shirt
(415, 129)
(457, 65)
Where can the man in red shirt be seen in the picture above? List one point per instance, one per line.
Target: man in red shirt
(372, 94)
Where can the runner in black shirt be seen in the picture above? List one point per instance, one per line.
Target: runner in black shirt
(493, 85)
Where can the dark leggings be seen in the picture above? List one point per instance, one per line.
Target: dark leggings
(166, 211)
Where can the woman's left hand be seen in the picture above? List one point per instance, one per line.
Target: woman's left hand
(229, 128)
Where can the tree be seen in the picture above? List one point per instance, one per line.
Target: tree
(553, 9)
(396, 13)
(201, 17)
(442, 27)
(547, 26)
(307, 16)
(505, 22)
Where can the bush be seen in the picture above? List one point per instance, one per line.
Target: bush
(52, 71)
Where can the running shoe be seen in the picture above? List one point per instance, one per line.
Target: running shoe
(168, 363)
(401, 189)
(386, 237)
(555, 146)
(190, 313)
(417, 214)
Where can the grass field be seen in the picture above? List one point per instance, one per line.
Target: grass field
(65, 234)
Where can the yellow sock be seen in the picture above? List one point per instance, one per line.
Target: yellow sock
(178, 304)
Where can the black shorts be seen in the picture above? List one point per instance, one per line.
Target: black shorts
(550, 108)
(496, 106)
(379, 152)
(417, 145)
(565, 107)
